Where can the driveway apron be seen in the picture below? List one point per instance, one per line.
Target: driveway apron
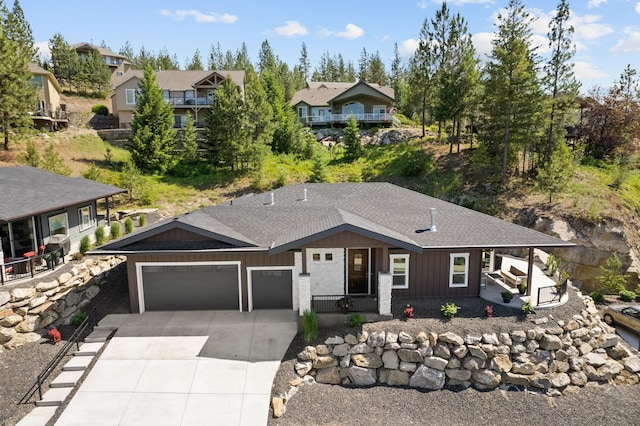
(184, 368)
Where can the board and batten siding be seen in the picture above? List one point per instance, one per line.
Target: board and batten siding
(247, 259)
(429, 275)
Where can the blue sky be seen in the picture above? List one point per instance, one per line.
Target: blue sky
(607, 32)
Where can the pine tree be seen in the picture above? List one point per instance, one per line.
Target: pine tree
(189, 140)
(363, 66)
(560, 80)
(557, 172)
(258, 118)
(195, 64)
(377, 72)
(305, 65)
(53, 162)
(164, 61)
(152, 135)
(95, 72)
(352, 145)
(225, 132)
(267, 61)
(422, 75)
(127, 51)
(318, 166)
(216, 57)
(64, 60)
(512, 94)
(17, 93)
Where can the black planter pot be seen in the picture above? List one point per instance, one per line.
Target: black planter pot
(506, 300)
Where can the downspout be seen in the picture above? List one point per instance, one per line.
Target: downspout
(530, 272)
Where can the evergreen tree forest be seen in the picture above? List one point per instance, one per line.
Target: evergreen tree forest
(516, 109)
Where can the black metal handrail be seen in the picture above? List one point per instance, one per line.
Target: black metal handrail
(31, 266)
(344, 304)
(552, 294)
(74, 339)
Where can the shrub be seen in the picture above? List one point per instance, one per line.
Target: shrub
(142, 220)
(310, 325)
(612, 280)
(115, 230)
(85, 244)
(449, 310)
(100, 109)
(356, 320)
(128, 226)
(77, 256)
(597, 296)
(527, 307)
(100, 236)
(78, 318)
(627, 295)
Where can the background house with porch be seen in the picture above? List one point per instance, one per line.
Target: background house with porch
(36, 205)
(331, 104)
(118, 64)
(190, 92)
(48, 113)
(306, 245)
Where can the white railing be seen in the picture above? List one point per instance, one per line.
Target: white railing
(374, 117)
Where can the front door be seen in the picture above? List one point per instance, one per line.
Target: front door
(358, 271)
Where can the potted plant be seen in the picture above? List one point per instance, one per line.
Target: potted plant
(48, 258)
(343, 304)
(522, 288)
(408, 312)
(488, 311)
(507, 296)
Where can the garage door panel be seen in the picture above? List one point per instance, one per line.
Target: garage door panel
(190, 287)
(272, 289)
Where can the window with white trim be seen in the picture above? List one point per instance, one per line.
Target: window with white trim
(459, 270)
(58, 224)
(302, 111)
(131, 95)
(399, 270)
(84, 218)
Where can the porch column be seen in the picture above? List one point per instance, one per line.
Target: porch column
(304, 293)
(106, 204)
(384, 293)
(530, 271)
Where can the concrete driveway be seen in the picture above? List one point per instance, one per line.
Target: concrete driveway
(184, 368)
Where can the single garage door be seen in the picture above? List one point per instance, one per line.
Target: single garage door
(272, 288)
(190, 287)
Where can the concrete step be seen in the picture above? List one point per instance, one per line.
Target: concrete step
(67, 379)
(89, 349)
(54, 397)
(100, 334)
(38, 416)
(77, 363)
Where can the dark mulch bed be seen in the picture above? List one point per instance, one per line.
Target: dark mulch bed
(19, 368)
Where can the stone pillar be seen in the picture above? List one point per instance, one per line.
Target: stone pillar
(384, 293)
(304, 293)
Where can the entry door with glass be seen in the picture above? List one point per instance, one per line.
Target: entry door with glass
(358, 271)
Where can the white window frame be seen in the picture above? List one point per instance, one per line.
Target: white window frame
(302, 112)
(452, 258)
(131, 93)
(392, 257)
(83, 212)
(64, 218)
(379, 111)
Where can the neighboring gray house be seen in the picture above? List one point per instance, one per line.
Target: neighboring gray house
(308, 244)
(36, 204)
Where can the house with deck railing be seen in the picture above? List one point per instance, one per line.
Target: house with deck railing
(332, 104)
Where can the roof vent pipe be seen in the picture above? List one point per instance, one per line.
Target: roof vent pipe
(433, 219)
(273, 199)
(305, 195)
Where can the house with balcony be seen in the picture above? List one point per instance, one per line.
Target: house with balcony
(117, 63)
(332, 104)
(190, 92)
(48, 113)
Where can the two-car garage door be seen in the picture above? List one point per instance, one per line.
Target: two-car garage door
(211, 286)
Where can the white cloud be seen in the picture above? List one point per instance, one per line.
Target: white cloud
(422, 4)
(351, 32)
(43, 49)
(587, 71)
(629, 44)
(588, 27)
(482, 43)
(596, 3)
(292, 28)
(638, 7)
(408, 47)
(463, 2)
(199, 17)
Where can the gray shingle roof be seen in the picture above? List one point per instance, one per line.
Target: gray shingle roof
(319, 94)
(184, 80)
(381, 211)
(26, 191)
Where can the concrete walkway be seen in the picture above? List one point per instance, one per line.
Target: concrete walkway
(184, 368)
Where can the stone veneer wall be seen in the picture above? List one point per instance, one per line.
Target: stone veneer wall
(557, 360)
(27, 312)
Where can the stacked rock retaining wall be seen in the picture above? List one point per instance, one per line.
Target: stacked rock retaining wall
(26, 312)
(558, 360)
